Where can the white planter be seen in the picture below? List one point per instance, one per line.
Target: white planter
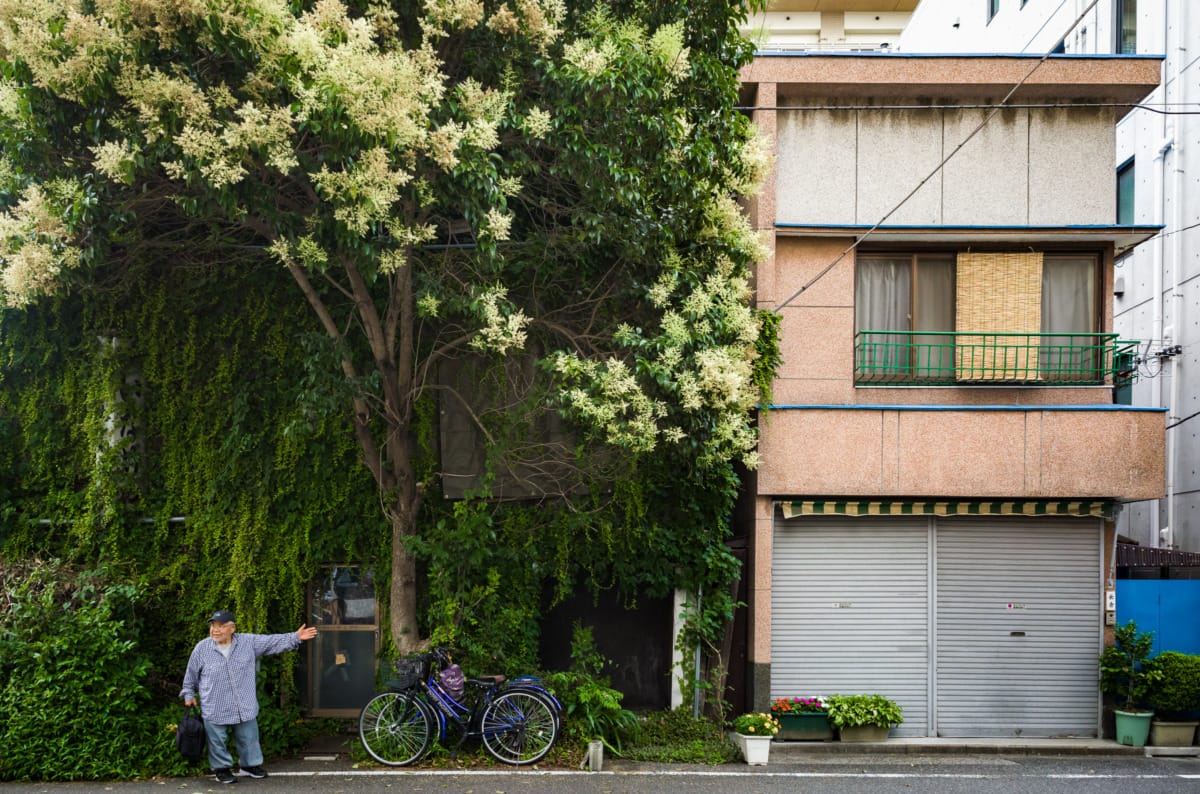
(1172, 734)
(755, 749)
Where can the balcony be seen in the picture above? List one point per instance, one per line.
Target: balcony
(954, 358)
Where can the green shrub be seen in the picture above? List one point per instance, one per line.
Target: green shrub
(73, 691)
(1124, 672)
(1178, 688)
(592, 708)
(676, 737)
(852, 711)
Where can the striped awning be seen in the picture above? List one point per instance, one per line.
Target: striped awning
(1095, 508)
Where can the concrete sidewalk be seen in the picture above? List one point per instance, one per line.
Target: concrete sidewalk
(333, 753)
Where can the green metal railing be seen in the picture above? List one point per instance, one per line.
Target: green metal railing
(938, 358)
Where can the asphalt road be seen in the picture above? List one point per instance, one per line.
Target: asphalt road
(841, 775)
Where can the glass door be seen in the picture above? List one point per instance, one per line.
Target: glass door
(341, 660)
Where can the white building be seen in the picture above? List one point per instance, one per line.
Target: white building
(1156, 289)
(833, 25)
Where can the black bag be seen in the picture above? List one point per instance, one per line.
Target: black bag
(189, 735)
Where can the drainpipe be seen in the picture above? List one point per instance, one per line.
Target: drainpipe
(1177, 54)
(1160, 200)
(1158, 329)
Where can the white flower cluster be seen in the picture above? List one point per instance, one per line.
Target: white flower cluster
(504, 327)
(612, 402)
(34, 244)
(363, 193)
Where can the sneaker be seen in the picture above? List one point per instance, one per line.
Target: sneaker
(256, 772)
(224, 775)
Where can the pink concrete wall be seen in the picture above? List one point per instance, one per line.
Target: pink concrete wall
(968, 454)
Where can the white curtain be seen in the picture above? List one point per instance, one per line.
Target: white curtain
(935, 312)
(1069, 312)
(883, 297)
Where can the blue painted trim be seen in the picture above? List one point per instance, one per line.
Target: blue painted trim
(982, 408)
(973, 228)
(974, 55)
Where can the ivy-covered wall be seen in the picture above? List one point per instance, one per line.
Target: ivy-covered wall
(226, 490)
(237, 477)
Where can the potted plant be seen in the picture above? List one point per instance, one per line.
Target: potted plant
(1125, 674)
(802, 718)
(864, 718)
(1175, 698)
(753, 733)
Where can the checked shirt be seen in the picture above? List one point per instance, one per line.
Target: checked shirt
(227, 686)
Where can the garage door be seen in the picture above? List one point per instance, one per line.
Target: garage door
(1018, 627)
(850, 611)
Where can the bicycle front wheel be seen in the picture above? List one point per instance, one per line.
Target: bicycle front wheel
(518, 728)
(396, 728)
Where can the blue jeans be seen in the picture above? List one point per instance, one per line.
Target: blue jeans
(248, 749)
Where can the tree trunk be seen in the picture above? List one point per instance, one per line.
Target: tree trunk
(403, 593)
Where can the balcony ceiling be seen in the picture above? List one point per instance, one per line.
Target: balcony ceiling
(842, 5)
(1123, 238)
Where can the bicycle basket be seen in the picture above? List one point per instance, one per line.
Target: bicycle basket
(410, 672)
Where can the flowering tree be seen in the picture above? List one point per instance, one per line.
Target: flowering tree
(441, 179)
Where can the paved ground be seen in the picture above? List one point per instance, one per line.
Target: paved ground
(332, 754)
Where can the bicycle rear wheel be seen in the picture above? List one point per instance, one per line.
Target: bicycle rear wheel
(396, 728)
(518, 727)
(544, 695)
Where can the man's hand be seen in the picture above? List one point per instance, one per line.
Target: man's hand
(189, 702)
(306, 632)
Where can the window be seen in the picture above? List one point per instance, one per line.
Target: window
(946, 317)
(906, 293)
(1126, 26)
(1125, 190)
(993, 8)
(1070, 317)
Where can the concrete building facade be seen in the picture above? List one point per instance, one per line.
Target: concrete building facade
(1156, 171)
(933, 513)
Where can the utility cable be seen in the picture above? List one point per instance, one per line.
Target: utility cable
(936, 169)
(1160, 109)
(1184, 419)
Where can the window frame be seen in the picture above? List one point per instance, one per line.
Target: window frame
(908, 369)
(1127, 170)
(993, 8)
(1120, 32)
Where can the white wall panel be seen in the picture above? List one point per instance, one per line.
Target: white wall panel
(815, 167)
(897, 149)
(1071, 168)
(987, 182)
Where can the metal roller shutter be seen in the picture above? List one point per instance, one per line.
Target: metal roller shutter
(850, 611)
(1018, 627)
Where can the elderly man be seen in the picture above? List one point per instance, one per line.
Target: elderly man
(221, 669)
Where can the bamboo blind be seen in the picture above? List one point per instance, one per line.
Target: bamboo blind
(998, 293)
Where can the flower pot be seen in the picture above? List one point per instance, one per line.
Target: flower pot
(755, 749)
(1132, 727)
(1166, 733)
(810, 727)
(863, 733)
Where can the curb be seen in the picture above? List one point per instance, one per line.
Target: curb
(959, 747)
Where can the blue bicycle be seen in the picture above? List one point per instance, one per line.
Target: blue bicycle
(517, 722)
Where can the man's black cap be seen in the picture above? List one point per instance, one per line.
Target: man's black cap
(221, 616)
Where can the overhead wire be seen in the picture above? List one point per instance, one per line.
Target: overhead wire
(937, 169)
(987, 106)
